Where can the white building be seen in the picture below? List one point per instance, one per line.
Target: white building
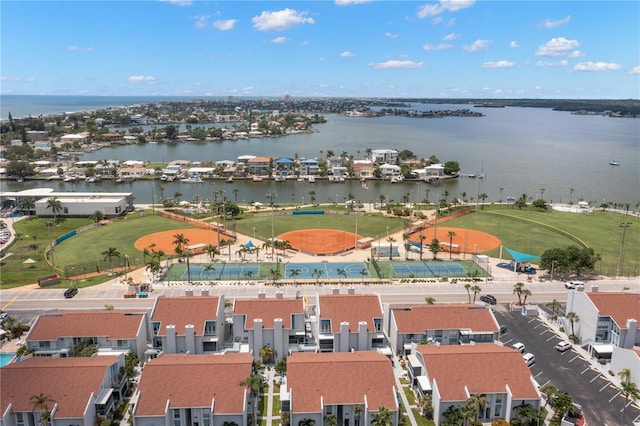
(384, 156)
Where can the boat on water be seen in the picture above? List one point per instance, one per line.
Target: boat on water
(311, 179)
(280, 178)
(614, 162)
(230, 180)
(192, 179)
(257, 179)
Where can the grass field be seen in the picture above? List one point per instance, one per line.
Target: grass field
(523, 230)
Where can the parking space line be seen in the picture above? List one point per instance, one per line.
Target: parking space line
(604, 387)
(614, 397)
(594, 379)
(551, 338)
(585, 370)
(574, 358)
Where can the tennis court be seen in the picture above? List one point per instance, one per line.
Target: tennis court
(427, 269)
(223, 271)
(383, 251)
(327, 270)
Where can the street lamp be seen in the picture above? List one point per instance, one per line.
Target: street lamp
(624, 226)
(53, 265)
(126, 264)
(553, 264)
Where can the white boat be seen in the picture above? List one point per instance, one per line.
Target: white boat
(192, 179)
(257, 179)
(311, 179)
(280, 178)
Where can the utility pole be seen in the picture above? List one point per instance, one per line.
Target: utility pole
(624, 226)
(53, 264)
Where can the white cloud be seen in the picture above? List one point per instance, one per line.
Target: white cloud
(561, 63)
(247, 89)
(397, 64)
(201, 21)
(576, 54)
(437, 46)
(390, 35)
(596, 66)
(80, 49)
(279, 40)
(20, 79)
(348, 2)
(347, 54)
(450, 37)
(280, 20)
(553, 24)
(498, 64)
(557, 47)
(322, 59)
(224, 24)
(443, 6)
(635, 70)
(141, 79)
(178, 2)
(477, 45)
(513, 44)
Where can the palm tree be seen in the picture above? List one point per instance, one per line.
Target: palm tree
(212, 250)
(451, 234)
(549, 390)
(526, 293)
(476, 291)
(268, 354)
(478, 400)
(317, 273)
(306, 422)
(177, 195)
(153, 265)
(573, 318)
(517, 290)
(555, 307)
(342, 273)
(453, 415)
(422, 238)
(56, 206)
(526, 414)
(391, 240)
(357, 412)
(363, 273)
(628, 388)
(249, 275)
(276, 274)
(109, 254)
(294, 274)
(27, 204)
(382, 417)
(467, 287)
(208, 268)
(41, 402)
(254, 383)
(429, 300)
(435, 248)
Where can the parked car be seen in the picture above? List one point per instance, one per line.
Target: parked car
(529, 358)
(70, 292)
(487, 298)
(518, 347)
(563, 346)
(573, 284)
(503, 329)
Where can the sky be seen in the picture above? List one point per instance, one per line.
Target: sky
(327, 48)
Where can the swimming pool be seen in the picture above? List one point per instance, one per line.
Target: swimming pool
(5, 358)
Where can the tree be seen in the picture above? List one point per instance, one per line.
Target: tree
(342, 273)
(97, 216)
(422, 238)
(477, 401)
(317, 273)
(41, 402)
(549, 390)
(27, 204)
(212, 251)
(382, 417)
(281, 367)
(430, 300)
(109, 254)
(525, 293)
(483, 197)
(391, 240)
(56, 207)
(180, 241)
(467, 287)
(276, 274)
(476, 291)
(254, 383)
(363, 273)
(527, 414)
(555, 307)
(451, 234)
(629, 390)
(435, 248)
(330, 420)
(453, 416)
(294, 274)
(561, 404)
(268, 354)
(573, 318)
(306, 422)
(517, 290)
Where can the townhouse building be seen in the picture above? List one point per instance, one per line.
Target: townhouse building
(381, 156)
(277, 322)
(451, 374)
(363, 169)
(75, 390)
(193, 390)
(56, 333)
(349, 386)
(348, 322)
(259, 166)
(447, 324)
(309, 166)
(188, 324)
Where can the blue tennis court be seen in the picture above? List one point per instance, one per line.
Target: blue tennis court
(383, 251)
(428, 269)
(223, 271)
(327, 270)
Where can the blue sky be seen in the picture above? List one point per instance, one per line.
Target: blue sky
(341, 48)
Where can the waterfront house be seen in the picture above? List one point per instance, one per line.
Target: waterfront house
(80, 138)
(451, 374)
(446, 324)
(390, 170)
(78, 389)
(309, 166)
(336, 161)
(259, 166)
(381, 156)
(607, 319)
(132, 172)
(349, 386)
(188, 324)
(339, 171)
(191, 390)
(348, 322)
(284, 166)
(57, 333)
(363, 169)
(244, 159)
(277, 323)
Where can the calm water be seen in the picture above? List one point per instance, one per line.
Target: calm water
(521, 150)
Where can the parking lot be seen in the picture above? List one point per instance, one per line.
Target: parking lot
(570, 371)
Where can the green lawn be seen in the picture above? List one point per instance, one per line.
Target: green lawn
(534, 232)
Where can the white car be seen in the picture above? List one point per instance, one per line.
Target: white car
(573, 284)
(563, 346)
(518, 347)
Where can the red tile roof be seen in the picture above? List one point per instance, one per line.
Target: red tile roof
(67, 381)
(351, 308)
(98, 323)
(181, 311)
(481, 368)
(620, 306)
(419, 318)
(340, 378)
(268, 310)
(194, 381)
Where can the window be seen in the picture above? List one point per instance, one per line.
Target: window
(122, 343)
(325, 326)
(210, 328)
(19, 419)
(156, 328)
(377, 324)
(206, 418)
(497, 408)
(44, 345)
(176, 417)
